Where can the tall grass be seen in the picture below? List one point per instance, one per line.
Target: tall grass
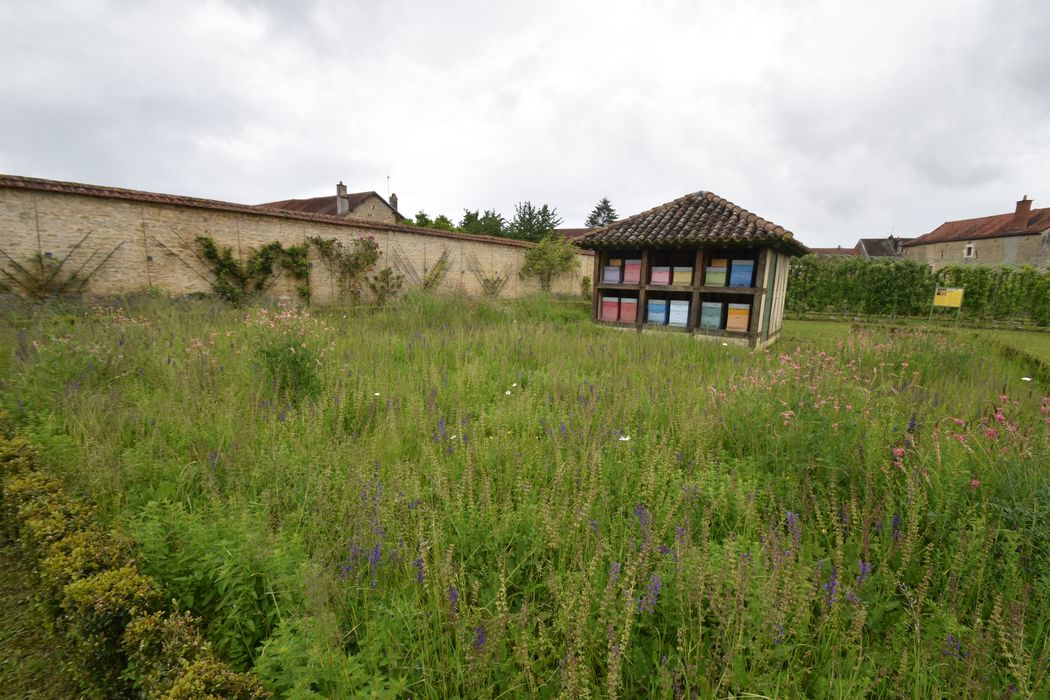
(482, 499)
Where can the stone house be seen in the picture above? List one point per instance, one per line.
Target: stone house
(1020, 238)
(355, 205)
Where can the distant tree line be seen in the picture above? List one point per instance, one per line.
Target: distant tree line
(530, 222)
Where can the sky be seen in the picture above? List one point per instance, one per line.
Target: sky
(835, 119)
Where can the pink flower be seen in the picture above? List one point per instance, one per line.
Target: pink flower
(958, 421)
(991, 432)
(898, 452)
(999, 416)
(961, 437)
(975, 483)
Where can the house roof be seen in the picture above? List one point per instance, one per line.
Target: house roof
(851, 252)
(697, 218)
(323, 205)
(985, 227)
(78, 188)
(882, 247)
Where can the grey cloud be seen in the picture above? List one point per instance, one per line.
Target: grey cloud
(837, 120)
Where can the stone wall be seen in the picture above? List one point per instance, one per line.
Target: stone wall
(1033, 249)
(118, 245)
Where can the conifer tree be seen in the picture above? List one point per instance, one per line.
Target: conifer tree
(603, 214)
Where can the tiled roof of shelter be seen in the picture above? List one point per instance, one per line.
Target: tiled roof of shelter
(700, 218)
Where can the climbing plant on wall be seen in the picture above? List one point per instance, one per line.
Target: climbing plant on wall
(236, 280)
(348, 264)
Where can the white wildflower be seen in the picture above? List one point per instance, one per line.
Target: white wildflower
(1026, 379)
(625, 438)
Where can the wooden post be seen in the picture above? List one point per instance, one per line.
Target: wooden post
(694, 305)
(756, 300)
(642, 294)
(595, 294)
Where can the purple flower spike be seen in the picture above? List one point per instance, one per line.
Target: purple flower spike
(865, 571)
(418, 563)
(831, 588)
(647, 603)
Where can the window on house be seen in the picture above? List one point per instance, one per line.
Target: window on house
(968, 252)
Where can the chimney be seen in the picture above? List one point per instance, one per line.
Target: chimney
(1024, 208)
(342, 204)
(393, 201)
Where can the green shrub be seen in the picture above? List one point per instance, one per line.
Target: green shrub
(292, 367)
(27, 490)
(159, 648)
(16, 456)
(51, 517)
(208, 678)
(96, 611)
(79, 555)
(8, 427)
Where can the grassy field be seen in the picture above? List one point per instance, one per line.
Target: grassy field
(461, 498)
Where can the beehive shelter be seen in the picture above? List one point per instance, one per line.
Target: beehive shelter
(699, 265)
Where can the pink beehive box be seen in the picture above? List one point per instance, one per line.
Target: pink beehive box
(661, 275)
(632, 271)
(628, 310)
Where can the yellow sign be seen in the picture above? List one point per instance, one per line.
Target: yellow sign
(948, 296)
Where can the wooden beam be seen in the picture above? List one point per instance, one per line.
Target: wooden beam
(595, 294)
(642, 294)
(756, 301)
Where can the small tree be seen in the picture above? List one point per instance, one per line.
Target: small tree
(603, 214)
(488, 224)
(443, 223)
(532, 224)
(552, 256)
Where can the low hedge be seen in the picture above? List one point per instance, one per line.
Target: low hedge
(125, 644)
(892, 287)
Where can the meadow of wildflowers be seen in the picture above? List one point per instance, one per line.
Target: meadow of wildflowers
(457, 498)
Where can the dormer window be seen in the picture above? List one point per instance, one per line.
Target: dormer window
(968, 252)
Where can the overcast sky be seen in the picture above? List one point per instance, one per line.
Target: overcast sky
(837, 120)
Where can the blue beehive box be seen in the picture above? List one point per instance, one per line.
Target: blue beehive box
(657, 312)
(740, 273)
